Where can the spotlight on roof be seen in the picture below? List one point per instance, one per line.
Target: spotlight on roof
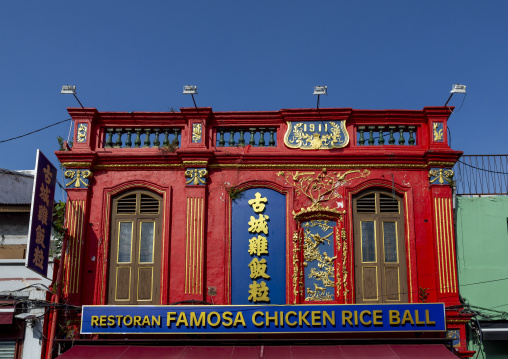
(320, 90)
(456, 89)
(68, 89)
(190, 90)
(71, 90)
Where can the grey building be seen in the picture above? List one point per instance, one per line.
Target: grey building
(21, 314)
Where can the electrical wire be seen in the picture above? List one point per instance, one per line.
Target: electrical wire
(462, 104)
(483, 169)
(29, 133)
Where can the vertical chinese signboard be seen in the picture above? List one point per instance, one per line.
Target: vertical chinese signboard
(258, 248)
(41, 215)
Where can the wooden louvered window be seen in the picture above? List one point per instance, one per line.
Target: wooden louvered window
(135, 249)
(380, 253)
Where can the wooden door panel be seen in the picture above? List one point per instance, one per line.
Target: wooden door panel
(392, 287)
(123, 284)
(145, 284)
(369, 283)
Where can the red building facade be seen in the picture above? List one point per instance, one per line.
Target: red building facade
(320, 206)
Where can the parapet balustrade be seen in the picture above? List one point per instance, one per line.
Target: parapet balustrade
(376, 135)
(146, 137)
(253, 136)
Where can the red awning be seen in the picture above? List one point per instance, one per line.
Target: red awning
(385, 351)
(6, 314)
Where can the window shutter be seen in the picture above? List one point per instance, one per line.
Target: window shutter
(149, 204)
(366, 204)
(126, 205)
(7, 349)
(388, 204)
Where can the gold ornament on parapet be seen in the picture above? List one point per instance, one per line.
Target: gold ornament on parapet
(316, 136)
(82, 130)
(196, 132)
(79, 179)
(441, 175)
(196, 176)
(438, 133)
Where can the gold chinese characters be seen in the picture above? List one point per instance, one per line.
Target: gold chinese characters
(258, 246)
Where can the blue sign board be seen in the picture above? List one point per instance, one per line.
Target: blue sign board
(258, 248)
(41, 215)
(332, 318)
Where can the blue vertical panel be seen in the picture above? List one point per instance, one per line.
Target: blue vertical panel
(41, 215)
(319, 260)
(256, 268)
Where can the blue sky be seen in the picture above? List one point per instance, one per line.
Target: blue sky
(256, 55)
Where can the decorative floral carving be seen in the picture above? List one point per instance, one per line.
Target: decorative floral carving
(438, 131)
(196, 132)
(296, 262)
(344, 263)
(322, 186)
(82, 130)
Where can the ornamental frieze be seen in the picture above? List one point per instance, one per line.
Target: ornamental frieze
(311, 135)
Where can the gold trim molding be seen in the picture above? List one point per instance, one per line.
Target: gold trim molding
(332, 166)
(148, 166)
(195, 163)
(76, 164)
(318, 209)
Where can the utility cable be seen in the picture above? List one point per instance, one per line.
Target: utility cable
(462, 104)
(29, 133)
(483, 169)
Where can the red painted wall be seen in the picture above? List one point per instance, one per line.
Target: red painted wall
(403, 169)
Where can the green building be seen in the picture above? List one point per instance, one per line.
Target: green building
(482, 257)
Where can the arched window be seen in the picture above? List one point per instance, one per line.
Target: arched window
(380, 253)
(135, 260)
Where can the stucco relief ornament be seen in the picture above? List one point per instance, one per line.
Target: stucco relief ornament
(82, 130)
(78, 178)
(196, 132)
(196, 176)
(441, 176)
(438, 131)
(322, 135)
(320, 187)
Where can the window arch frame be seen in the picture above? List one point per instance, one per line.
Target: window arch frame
(137, 266)
(377, 258)
(407, 195)
(103, 250)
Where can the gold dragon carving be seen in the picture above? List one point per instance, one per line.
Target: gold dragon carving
(325, 263)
